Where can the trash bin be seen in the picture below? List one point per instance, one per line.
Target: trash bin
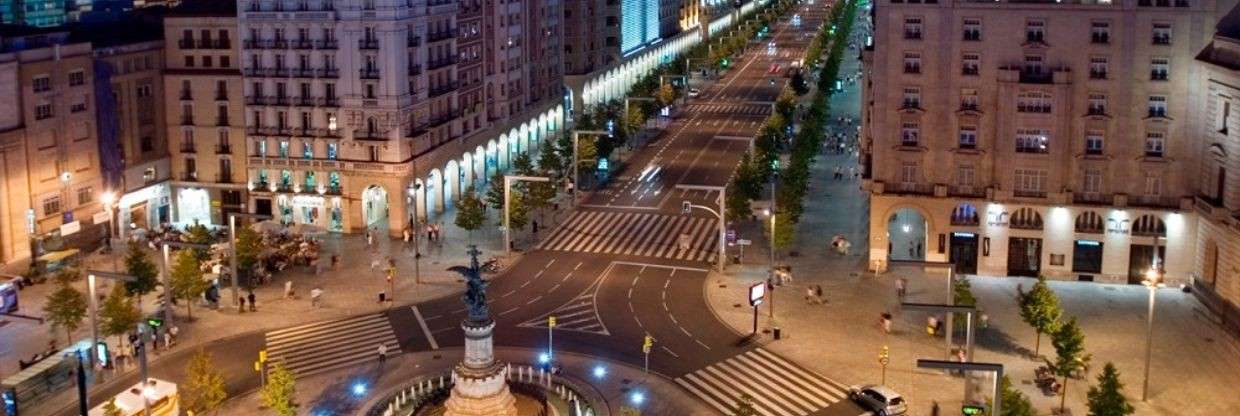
(776, 332)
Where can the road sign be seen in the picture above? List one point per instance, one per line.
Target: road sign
(731, 236)
(757, 292)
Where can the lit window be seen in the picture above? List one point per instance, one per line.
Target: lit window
(1092, 182)
(1032, 141)
(1100, 32)
(1162, 34)
(1157, 106)
(968, 137)
(912, 63)
(912, 28)
(1098, 67)
(1035, 31)
(1097, 104)
(1093, 142)
(1159, 69)
(912, 97)
(1155, 143)
(909, 134)
(970, 64)
(972, 29)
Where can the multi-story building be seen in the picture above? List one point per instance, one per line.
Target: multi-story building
(38, 13)
(601, 33)
(205, 113)
(50, 178)
(129, 103)
(1034, 138)
(1217, 261)
(353, 106)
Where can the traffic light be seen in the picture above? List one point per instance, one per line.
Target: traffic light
(686, 207)
(647, 344)
(551, 322)
(723, 62)
(154, 323)
(969, 409)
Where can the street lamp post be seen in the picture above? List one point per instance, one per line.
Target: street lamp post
(417, 237)
(718, 214)
(1153, 281)
(167, 275)
(508, 180)
(91, 278)
(576, 162)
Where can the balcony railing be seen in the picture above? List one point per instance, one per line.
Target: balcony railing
(368, 44)
(189, 176)
(223, 177)
(1092, 198)
(328, 72)
(415, 70)
(221, 95)
(442, 89)
(441, 35)
(187, 121)
(221, 121)
(327, 44)
(302, 44)
(1027, 193)
(440, 63)
(186, 95)
(369, 73)
(303, 72)
(223, 149)
(911, 188)
(188, 148)
(1153, 201)
(966, 191)
(1036, 77)
(185, 43)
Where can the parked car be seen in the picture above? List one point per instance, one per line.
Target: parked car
(881, 400)
(694, 92)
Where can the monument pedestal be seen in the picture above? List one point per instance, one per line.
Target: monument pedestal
(480, 383)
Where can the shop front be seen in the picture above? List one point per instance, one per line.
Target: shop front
(193, 207)
(144, 209)
(316, 210)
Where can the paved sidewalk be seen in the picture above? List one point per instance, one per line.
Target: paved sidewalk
(1195, 368)
(330, 393)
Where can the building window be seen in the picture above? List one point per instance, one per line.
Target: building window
(968, 99)
(77, 107)
(189, 61)
(968, 137)
(1093, 142)
(1100, 32)
(42, 83)
(1155, 143)
(85, 195)
(1092, 182)
(970, 64)
(1159, 69)
(1035, 31)
(1097, 104)
(912, 28)
(1153, 184)
(1032, 141)
(147, 144)
(1162, 34)
(332, 150)
(307, 150)
(972, 29)
(43, 112)
(225, 62)
(908, 172)
(51, 206)
(77, 78)
(260, 148)
(912, 97)
(1033, 102)
(909, 134)
(1157, 106)
(1098, 67)
(1030, 182)
(1224, 114)
(143, 91)
(191, 169)
(283, 150)
(965, 175)
(912, 63)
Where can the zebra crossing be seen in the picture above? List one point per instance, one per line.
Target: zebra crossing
(745, 109)
(778, 387)
(324, 346)
(679, 237)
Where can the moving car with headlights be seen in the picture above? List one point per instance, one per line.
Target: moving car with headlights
(881, 400)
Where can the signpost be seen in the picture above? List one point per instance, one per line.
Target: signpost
(550, 327)
(884, 358)
(261, 365)
(647, 345)
(757, 293)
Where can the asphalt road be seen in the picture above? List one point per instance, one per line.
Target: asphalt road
(629, 264)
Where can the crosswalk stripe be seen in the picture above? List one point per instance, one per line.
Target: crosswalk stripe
(564, 230)
(312, 348)
(693, 234)
(701, 240)
(635, 233)
(582, 228)
(614, 231)
(627, 244)
(664, 242)
(778, 387)
(640, 247)
(589, 230)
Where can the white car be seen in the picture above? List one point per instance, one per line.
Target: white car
(694, 92)
(881, 400)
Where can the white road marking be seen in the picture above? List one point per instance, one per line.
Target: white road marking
(425, 330)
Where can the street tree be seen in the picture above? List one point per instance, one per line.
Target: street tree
(786, 104)
(737, 204)
(1070, 355)
(1107, 398)
(635, 119)
(199, 234)
(495, 191)
(1039, 307)
(145, 276)
(249, 245)
(1014, 402)
(65, 309)
(549, 160)
(471, 213)
(111, 409)
(118, 315)
(666, 95)
(784, 230)
(963, 295)
(629, 411)
(538, 196)
(186, 280)
(280, 393)
(744, 406)
(204, 391)
(799, 85)
(522, 164)
(518, 210)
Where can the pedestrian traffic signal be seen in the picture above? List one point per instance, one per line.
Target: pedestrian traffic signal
(154, 323)
(262, 356)
(647, 344)
(551, 322)
(969, 409)
(686, 207)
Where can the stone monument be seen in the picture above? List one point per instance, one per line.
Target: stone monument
(481, 382)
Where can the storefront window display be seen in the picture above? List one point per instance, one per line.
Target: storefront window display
(337, 220)
(193, 206)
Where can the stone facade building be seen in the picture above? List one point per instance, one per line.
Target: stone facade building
(1035, 138)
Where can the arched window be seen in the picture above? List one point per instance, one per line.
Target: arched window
(1090, 222)
(1026, 219)
(1149, 226)
(965, 214)
(371, 127)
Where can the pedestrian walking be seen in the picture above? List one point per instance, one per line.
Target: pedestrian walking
(884, 322)
(918, 249)
(932, 325)
(901, 288)
(241, 305)
(250, 297)
(934, 408)
(316, 296)
(910, 249)
(288, 289)
(809, 295)
(370, 238)
(382, 353)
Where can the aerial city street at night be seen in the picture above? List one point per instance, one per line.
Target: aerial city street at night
(619, 207)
